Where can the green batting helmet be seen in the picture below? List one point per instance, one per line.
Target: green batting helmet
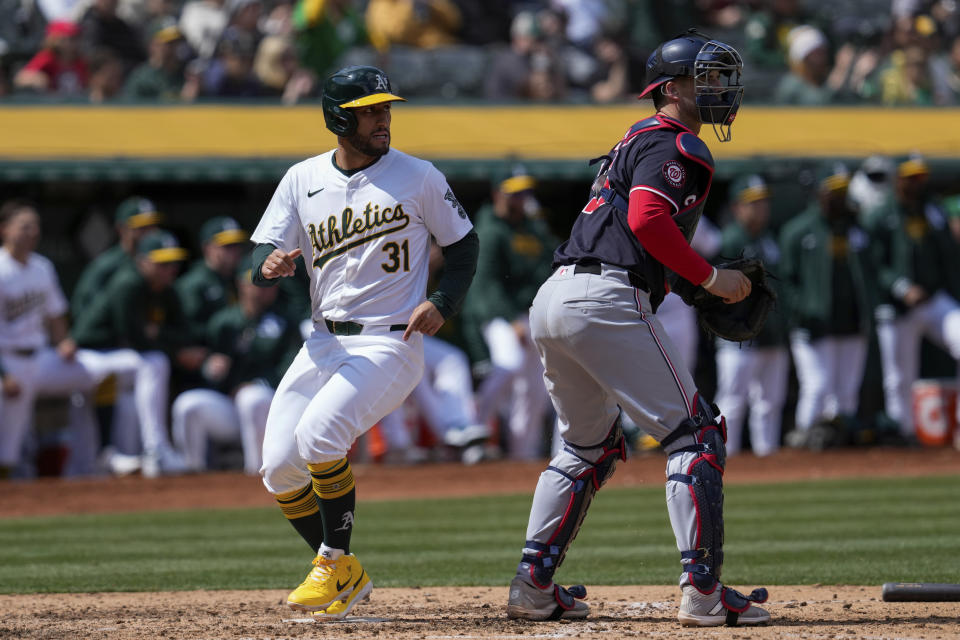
(349, 88)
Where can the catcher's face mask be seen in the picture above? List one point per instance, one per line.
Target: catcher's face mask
(717, 73)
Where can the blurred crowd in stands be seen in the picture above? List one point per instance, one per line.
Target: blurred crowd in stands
(809, 52)
(164, 362)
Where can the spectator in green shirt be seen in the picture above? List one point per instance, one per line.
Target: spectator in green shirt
(907, 81)
(807, 82)
(325, 30)
(766, 31)
(161, 76)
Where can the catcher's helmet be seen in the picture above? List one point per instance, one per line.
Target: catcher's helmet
(709, 63)
(353, 87)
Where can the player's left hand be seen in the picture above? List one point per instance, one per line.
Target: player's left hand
(67, 348)
(191, 358)
(10, 386)
(216, 367)
(425, 319)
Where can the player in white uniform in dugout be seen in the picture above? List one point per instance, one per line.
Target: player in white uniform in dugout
(37, 354)
(753, 376)
(362, 216)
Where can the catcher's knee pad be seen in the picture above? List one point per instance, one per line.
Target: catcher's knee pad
(561, 501)
(695, 497)
(706, 418)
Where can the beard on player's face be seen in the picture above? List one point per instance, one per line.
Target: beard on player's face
(372, 137)
(372, 144)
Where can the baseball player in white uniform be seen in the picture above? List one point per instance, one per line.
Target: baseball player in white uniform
(827, 272)
(919, 275)
(129, 330)
(33, 314)
(753, 376)
(233, 404)
(361, 216)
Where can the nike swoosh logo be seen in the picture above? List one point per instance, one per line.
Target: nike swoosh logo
(341, 586)
(310, 194)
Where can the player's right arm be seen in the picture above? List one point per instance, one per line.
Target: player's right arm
(658, 181)
(278, 235)
(277, 263)
(9, 385)
(650, 219)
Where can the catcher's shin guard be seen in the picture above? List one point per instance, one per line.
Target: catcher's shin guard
(695, 496)
(561, 500)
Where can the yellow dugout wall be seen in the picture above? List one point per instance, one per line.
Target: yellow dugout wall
(36, 133)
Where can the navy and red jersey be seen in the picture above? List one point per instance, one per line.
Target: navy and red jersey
(645, 205)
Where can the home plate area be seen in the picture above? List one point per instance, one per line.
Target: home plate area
(810, 612)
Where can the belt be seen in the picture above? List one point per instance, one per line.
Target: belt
(354, 328)
(596, 268)
(22, 353)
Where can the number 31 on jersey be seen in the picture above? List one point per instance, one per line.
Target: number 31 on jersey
(398, 256)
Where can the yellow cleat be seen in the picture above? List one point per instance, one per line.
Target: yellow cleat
(340, 608)
(647, 443)
(328, 581)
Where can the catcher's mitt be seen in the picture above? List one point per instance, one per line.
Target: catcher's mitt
(740, 321)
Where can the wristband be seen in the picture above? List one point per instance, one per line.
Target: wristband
(713, 278)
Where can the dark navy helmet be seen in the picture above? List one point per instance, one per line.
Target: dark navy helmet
(716, 69)
(349, 88)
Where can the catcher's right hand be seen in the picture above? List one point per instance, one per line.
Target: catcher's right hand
(731, 285)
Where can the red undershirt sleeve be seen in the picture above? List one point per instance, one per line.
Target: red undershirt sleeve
(650, 218)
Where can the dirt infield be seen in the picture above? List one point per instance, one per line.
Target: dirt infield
(818, 612)
(814, 613)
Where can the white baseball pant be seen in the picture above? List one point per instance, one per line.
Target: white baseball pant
(201, 416)
(444, 395)
(151, 378)
(829, 373)
(680, 323)
(754, 377)
(517, 378)
(42, 373)
(899, 338)
(336, 389)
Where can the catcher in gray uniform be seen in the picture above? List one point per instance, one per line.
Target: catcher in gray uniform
(604, 350)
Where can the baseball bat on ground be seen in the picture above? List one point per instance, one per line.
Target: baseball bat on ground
(920, 592)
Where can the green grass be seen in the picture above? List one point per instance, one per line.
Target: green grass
(856, 531)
